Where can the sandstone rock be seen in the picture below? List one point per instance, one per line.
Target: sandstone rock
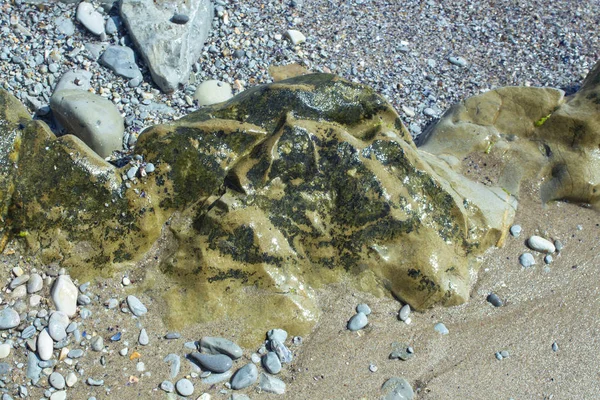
(283, 72)
(170, 49)
(91, 118)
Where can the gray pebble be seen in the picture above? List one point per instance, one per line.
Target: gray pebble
(441, 328)
(9, 319)
(143, 338)
(5, 369)
(184, 387)
(548, 259)
(494, 300)
(498, 356)
(515, 230)
(214, 345)
(555, 347)
(97, 343)
(149, 168)
(35, 283)
(28, 332)
(461, 62)
(18, 281)
(217, 363)
(271, 384)
(397, 389)
(358, 321)
(271, 363)
(57, 381)
(404, 312)
(57, 325)
(173, 335)
(75, 353)
(284, 354)
(180, 19)
(167, 386)
(540, 244)
(527, 260)
(213, 379)
(401, 351)
(95, 382)
(558, 245)
(277, 334)
(175, 361)
(505, 353)
(244, 377)
(363, 308)
(136, 306)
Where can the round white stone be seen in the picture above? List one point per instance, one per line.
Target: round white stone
(213, 92)
(5, 350)
(540, 244)
(45, 345)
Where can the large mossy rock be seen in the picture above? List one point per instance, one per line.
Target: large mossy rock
(309, 181)
(288, 186)
(517, 133)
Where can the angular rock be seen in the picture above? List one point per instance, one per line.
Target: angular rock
(296, 37)
(64, 295)
(121, 60)
(90, 18)
(213, 92)
(91, 118)
(170, 49)
(214, 345)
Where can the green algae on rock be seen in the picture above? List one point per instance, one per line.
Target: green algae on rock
(292, 185)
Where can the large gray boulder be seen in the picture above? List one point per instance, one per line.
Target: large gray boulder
(93, 119)
(169, 48)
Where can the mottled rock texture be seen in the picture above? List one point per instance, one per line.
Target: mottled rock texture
(295, 184)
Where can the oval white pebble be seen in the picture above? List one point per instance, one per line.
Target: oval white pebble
(4, 350)
(184, 387)
(540, 244)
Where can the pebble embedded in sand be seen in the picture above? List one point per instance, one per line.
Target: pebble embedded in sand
(184, 387)
(363, 308)
(357, 322)
(244, 377)
(404, 313)
(494, 300)
(45, 345)
(441, 328)
(64, 294)
(9, 319)
(515, 230)
(540, 244)
(527, 260)
(135, 305)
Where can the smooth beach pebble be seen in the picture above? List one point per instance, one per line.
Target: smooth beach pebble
(515, 230)
(218, 363)
(358, 321)
(363, 308)
(5, 350)
(184, 387)
(540, 244)
(277, 334)
(526, 260)
(244, 377)
(135, 305)
(404, 312)
(215, 345)
(9, 319)
(494, 300)
(271, 363)
(397, 389)
(441, 328)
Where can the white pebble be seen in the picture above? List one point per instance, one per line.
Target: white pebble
(540, 244)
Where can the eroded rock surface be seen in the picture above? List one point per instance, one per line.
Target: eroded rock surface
(289, 186)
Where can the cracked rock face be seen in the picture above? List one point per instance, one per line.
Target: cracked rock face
(170, 49)
(289, 186)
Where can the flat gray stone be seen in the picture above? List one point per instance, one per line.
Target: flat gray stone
(33, 369)
(93, 119)
(244, 377)
(35, 283)
(90, 18)
(526, 260)
(175, 363)
(135, 305)
(271, 384)
(215, 345)
(213, 379)
(184, 387)
(9, 319)
(218, 363)
(121, 60)
(18, 281)
(397, 389)
(170, 49)
(277, 334)
(57, 325)
(57, 381)
(284, 354)
(74, 80)
(271, 363)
